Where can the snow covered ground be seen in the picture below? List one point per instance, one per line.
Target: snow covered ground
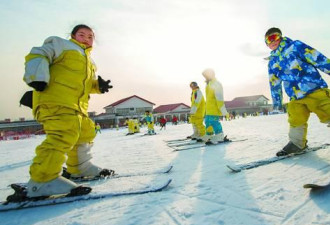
(203, 190)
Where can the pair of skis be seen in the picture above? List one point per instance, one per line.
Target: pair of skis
(255, 164)
(95, 194)
(194, 144)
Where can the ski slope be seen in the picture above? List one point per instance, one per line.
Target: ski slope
(203, 190)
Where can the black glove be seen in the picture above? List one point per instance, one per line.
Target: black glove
(26, 99)
(38, 85)
(104, 86)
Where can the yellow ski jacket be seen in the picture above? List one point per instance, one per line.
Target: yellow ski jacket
(215, 105)
(68, 70)
(197, 103)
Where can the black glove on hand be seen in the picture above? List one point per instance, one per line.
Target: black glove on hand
(104, 86)
(38, 85)
(27, 99)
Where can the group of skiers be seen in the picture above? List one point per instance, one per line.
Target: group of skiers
(133, 124)
(62, 74)
(209, 111)
(292, 63)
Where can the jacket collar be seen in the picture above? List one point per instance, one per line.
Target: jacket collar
(81, 45)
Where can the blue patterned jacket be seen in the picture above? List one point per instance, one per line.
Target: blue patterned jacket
(295, 64)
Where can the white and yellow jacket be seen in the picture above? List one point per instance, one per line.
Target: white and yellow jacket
(197, 103)
(215, 105)
(68, 70)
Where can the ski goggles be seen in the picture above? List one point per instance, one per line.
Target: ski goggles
(273, 37)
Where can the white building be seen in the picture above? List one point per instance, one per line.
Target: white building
(179, 110)
(117, 112)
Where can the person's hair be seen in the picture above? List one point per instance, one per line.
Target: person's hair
(272, 31)
(80, 26)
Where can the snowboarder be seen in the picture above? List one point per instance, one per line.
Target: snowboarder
(197, 112)
(215, 107)
(295, 64)
(62, 74)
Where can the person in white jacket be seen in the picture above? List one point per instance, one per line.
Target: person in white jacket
(215, 107)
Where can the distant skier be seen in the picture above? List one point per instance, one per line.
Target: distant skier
(197, 112)
(175, 120)
(163, 122)
(97, 128)
(295, 64)
(215, 107)
(136, 125)
(130, 125)
(62, 74)
(148, 117)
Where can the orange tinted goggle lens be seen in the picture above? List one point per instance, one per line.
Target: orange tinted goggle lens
(271, 38)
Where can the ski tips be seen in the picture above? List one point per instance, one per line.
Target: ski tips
(233, 169)
(316, 186)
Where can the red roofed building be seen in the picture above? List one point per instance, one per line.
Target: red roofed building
(133, 105)
(117, 112)
(179, 110)
(248, 104)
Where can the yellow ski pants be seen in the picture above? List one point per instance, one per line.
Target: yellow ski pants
(65, 130)
(299, 112)
(198, 123)
(151, 126)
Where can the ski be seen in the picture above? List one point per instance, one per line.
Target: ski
(143, 135)
(54, 200)
(164, 170)
(255, 164)
(183, 143)
(199, 145)
(177, 140)
(314, 186)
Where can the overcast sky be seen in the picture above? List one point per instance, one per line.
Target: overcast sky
(155, 48)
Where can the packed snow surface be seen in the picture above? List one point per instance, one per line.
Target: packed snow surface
(203, 190)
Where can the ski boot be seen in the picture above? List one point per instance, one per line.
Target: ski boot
(204, 138)
(195, 135)
(290, 148)
(216, 139)
(192, 137)
(42, 190)
(93, 172)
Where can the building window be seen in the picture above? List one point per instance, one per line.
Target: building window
(122, 111)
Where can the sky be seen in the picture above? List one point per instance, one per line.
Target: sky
(155, 48)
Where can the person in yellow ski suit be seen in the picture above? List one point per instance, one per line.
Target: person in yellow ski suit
(197, 112)
(97, 128)
(130, 126)
(62, 74)
(149, 118)
(215, 107)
